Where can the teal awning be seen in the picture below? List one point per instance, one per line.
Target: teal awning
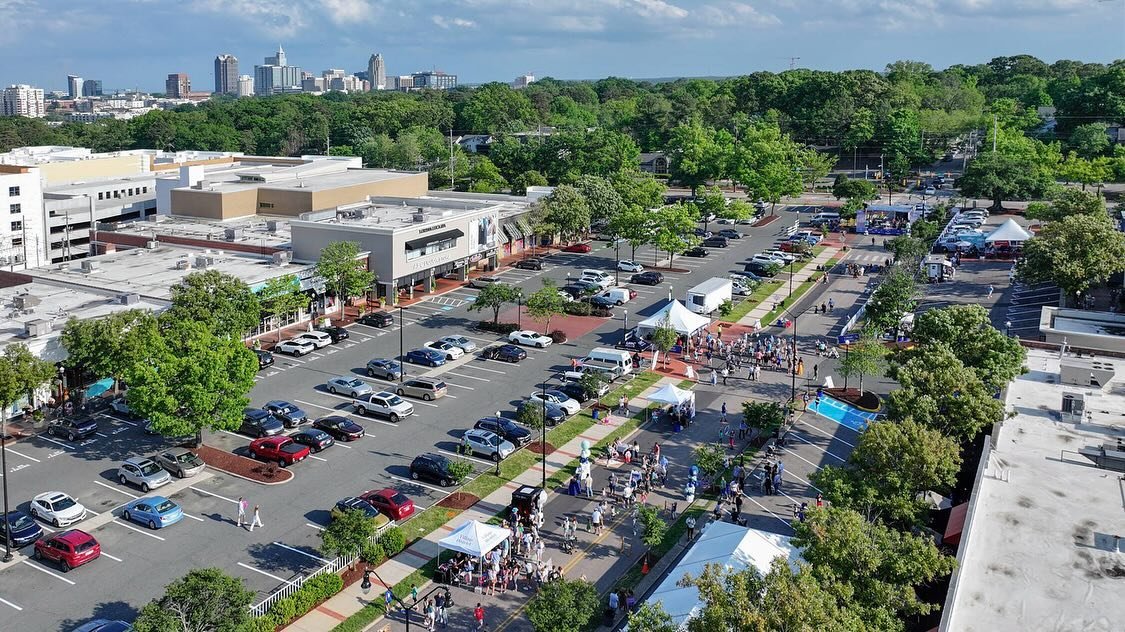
(99, 387)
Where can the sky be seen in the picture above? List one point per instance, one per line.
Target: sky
(137, 43)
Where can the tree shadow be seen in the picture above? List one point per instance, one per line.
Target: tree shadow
(111, 610)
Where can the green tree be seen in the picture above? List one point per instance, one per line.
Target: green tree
(638, 190)
(763, 417)
(21, 374)
(814, 165)
(1075, 252)
(938, 391)
(564, 211)
(532, 417)
(998, 176)
(604, 201)
(895, 296)
(652, 526)
(279, 298)
(347, 534)
(634, 224)
(664, 337)
(545, 304)
(651, 617)
(459, 469)
(996, 358)
(204, 600)
(1066, 202)
(110, 346)
(710, 202)
(891, 466)
(221, 301)
(563, 606)
(484, 177)
(495, 107)
(339, 265)
(530, 178)
(1089, 140)
(907, 249)
(737, 210)
(695, 156)
(847, 188)
(710, 460)
(495, 297)
(673, 230)
(867, 356)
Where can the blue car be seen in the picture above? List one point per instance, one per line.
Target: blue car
(154, 511)
(24, 530)
(427, 357)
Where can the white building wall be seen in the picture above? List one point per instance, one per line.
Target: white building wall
(25, 242)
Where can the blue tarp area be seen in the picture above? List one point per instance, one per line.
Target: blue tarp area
(99, 387)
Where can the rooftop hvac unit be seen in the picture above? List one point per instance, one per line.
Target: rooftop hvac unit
(204, 261)
(271, 225)
(1073, 407)
(36, 328)
(152, 244)
(89, 266)
(232, 234)
(129, 299)
(26, 301)
(419, 216)
(281, 258)
(183, 264)
(1088, 372)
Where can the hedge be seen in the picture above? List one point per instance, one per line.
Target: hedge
(500, 328)
(284, 611)
(392, 541)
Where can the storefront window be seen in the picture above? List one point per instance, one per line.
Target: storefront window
(430, 249)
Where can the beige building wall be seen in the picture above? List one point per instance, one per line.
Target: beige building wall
(409, 186)
(213, 204)
(111, 167)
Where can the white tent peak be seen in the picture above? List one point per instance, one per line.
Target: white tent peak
(1009, 231)
(474, 538)
(671, 394)
(679, 317)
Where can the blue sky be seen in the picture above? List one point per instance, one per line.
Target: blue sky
(136, 43)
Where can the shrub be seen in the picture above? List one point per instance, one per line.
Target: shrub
(557, 336)
(373, 554)
(601, 312)
(500, 328)
(311, 593)
(459, 470)
(266, 623)
(285, 610)
(726, 307)
(392, 541)
(576, 308)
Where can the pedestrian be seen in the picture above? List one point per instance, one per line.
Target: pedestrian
(429, 612)
(776, 484)
(574, 364)
(388, 597)
(831, 305)
(990, 291)
(814, 372)
(690, 522)
(621, 405)
(596, 521)
(723, 414)
(614, 603)
(413, 594)
(257, 522)
(478, 614)
(241, 511)
(539, 551)
(726, 374)
(440, 604)
(714, 378)
(742, 429)
(819, 500)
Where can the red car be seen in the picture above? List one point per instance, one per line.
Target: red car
(391, 502)
(281, 449)
(70, 549)
(583, 248)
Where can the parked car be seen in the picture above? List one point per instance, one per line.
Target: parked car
(391, 502)
(581, 248)
(602, 388)
(785, 257)
(530, 264)
(750, 276)
(600, 282)
(349, 386)
(484, 281)
(377, 319)
(22, 529)
(647, 278)
(295, 347)
(582, 287)
(565, 296)
(730, 233)
(282, 450)
(560, 399)
(434, 467)
(555, 414)
(461, 342)
(384, 368)
(507, 353)
(259, 423)
(341, 428)
(265, 358)
(451, 352)
(316, 440)
(288, 413)
(73, 428)
(180, 462)
(69, 549)
(760, 269)
(385, 404)
(603, 302)
(353, 503)
(319, 339)
(104, 625)
(696, 252)
(506, 428)
(426, 388)
(629, 266)
(57, 508)
(716, 242)
(929, 191)
(766, 259)
(335, 333)
(487, 444)
(425, 357)
(143, 473)
(120, 406)
(576, 391)
(156, 512)
(530, 338)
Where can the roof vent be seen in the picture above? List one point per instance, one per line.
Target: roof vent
(152, 244)
(204, 261)
(26, 301)
(232, 234)
(36, 328)
(282, 257)
(271, 225)
(419, 216)
(89, 266)
(129, 299)
(184, 264)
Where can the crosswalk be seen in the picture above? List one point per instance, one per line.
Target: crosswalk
(445, 300)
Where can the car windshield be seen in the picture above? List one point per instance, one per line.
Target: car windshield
(149, 469)
(353, 383)
(286, 408)
(188, 458)
(85, 546)
(63, 503)
(165, 506)
(493, 440)
(459, 341)
(20, 522)
(394, 400)
(399, 498)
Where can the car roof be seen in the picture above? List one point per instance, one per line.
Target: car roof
(73, 536)
(138, 460)
(280, 403)
(336, 418)
(52, 496)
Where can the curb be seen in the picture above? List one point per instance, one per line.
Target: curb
(246, 478)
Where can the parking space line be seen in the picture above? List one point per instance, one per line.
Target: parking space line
(429, 404)
(803, 440)
(8, 603)
(341, 444)
(481, 368)
(471, 377)
(104, 436)
(816, 429)
(120, 491)
(270, 575)
(44, 437)
(313, 456)
(412, 482)
(489, 340)
(465, 456)
(40, 568)
(314, 526)
(289, 548)
(468, 388)
(335, 410)
(115, 559)
(141, 531)
(187, 515)
(29, 458)
(790, 451)
(203, 491)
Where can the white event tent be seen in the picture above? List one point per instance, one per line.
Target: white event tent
(1009, 231)
(474, 538)
(670, 394)
(679, 317)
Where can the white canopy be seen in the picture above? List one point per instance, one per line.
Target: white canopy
(474, 538)
(1008, 231)
(722, 543)
(670, 394)
(680, 318)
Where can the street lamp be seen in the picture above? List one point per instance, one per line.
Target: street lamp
(543, 432)
(401, 352)
(669, 293)
(624, 324)
(519, 311)
(4, 467)
(617, 265)
(793, 386)
(791, 276)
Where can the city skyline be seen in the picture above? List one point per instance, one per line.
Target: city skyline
(482, 40)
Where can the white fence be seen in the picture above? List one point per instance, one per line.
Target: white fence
(293, 585)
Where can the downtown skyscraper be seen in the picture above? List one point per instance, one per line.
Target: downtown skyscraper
(226, 74)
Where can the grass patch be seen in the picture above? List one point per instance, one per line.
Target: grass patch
(676, 530)
(372, 611)
(748, 303)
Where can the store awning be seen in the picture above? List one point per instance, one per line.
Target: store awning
(501, 238)
(422, 242)
(513, 230)
(525, 226)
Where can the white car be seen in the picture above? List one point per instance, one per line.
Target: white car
(780, 254)
(451, 352)
(566, 298)
(739, 288)
(558, 398)
(929, 191)
(295, 347)
(58, 509)
(602, 282)
(461, 342)
(319, 339)
(530, 339)
(766, 259)
(630, 266)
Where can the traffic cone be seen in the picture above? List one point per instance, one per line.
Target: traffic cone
(644, 566)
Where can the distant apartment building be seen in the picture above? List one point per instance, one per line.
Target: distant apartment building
(245, 86)
(403, 82)
(377, 72)
(276, 76)
(23, 100)
(226, 74)
(523, 81)
(177, 86)
(434, 80)
(73, 86)
(92, 88)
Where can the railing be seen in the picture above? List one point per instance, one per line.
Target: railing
(288, 588)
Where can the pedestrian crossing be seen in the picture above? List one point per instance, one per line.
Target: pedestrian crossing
(445, 300)
(861, 257)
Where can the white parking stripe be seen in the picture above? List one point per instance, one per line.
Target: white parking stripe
(116, 559)
(465, 456)
(816, 429)
(203, 491)
(104, 436)
(314, 526)
(270, 575)
(313, 456)
(407, 480)
(8, 603)
(44, 437)
(29, 458)
(488, 340)
(289, 548)
(481, 368)
(40, 568)
(471, 377)
(468, 388)
(187, 515)
(803, 440)
(141, 531)
(335, 410)
(118, 490)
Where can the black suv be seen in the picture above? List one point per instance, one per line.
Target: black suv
(762, 269)
(73, 429)
(530, 264)
(647, 278)
(730, 233)
(696, 252)
(377, 319)
(336, 333)
(265, 358)
(260, 423)
(506, 428)
(576, 391)
(434, 467)
(716, 242)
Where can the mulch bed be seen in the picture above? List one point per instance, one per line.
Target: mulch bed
(537, 447)
(458, 500)
(767, 220)
(241, 466)
(865, 401)
(353, 574)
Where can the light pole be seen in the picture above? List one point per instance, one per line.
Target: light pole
(791, 276)
(669, 293)
(4, 467)
(519, 311)
(401, 352)
(624, 324)
(793, 372)
(543, 434)
(617, 265)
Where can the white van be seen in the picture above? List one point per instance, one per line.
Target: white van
(619, 295)
(825, 217)
(597, 274)
(611, 357)
(610, 373)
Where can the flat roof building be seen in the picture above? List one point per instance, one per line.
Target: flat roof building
(1083, 329)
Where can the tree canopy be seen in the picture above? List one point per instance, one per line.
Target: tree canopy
(346, 275)
(204, 600)
(1075, 252)
(997, 358)
(566, 605)
(495, 296)
(222, 302)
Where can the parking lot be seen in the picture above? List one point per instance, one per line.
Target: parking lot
(137, 563)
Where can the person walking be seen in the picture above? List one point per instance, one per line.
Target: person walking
(388, 598)
(690, 522)
(439, 610)
(990, 291)
(714, 378)
(596, 521)
(478, 614)
(814, 371)
(831, 305)
(257, 522)
(723, 414)
(241, 511)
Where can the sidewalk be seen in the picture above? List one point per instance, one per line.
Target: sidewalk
(754, 318)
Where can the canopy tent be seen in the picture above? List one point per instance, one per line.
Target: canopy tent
(1009, 231)
(671, 395)
(474, 538)
(723, 543)
(679, 317)
(99, 387)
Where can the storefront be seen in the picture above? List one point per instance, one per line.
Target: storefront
(886, 219)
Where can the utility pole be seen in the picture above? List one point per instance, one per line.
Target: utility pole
(994, 125)
(450, 157)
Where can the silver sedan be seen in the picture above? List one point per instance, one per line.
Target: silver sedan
(350, 386)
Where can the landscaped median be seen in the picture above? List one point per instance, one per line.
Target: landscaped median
(769, 286)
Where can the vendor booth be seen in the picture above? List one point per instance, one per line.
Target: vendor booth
(1007, 240)
(677, 316)
(681, 405)
(886, 219)
(473, 540)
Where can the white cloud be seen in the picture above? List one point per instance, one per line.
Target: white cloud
(271, 18)
(736, 14)
(345, 12)
(915, 14)
(657, 9)
(452, 23)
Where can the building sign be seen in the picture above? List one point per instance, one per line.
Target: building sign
(484, 229)
(426, 229)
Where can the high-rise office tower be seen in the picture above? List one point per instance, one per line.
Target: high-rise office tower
(177, 86)
(245, 86)
(278, 59)
(74, 86)
(276, 76)
(377, 72)
(226, 74)
(92, 88)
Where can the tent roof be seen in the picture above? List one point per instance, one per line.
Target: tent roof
(1009, 231)
(682, 319)
(474, 538)
(670, 394)
(723, 543)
